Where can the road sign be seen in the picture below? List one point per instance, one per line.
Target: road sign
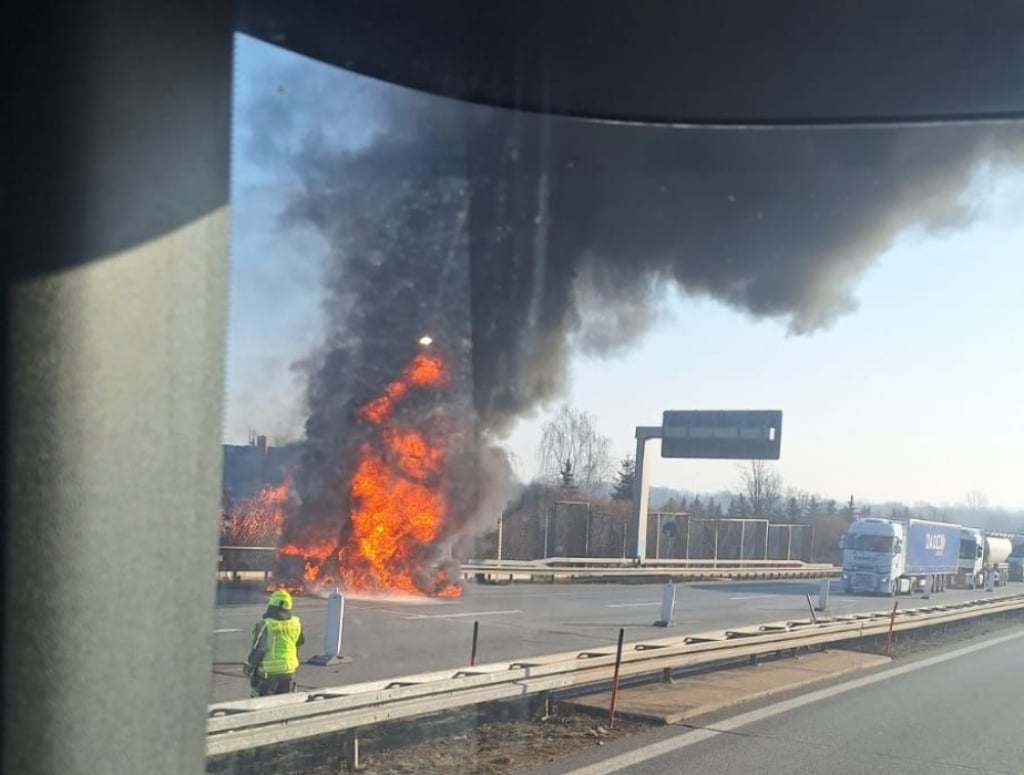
(723, 435)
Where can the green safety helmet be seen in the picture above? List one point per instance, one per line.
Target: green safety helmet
(281, 597)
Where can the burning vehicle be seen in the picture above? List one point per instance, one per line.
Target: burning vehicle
(398, 504)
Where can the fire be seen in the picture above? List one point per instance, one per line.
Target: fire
(396, 498)
(257, 521)
(425, 371)
(313, 555)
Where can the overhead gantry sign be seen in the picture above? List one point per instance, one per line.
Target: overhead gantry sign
(716, 435)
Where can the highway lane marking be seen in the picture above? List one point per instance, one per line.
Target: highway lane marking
(630, 605)
(411, 617)
(750, 597)
(630, 760)
(229, 629)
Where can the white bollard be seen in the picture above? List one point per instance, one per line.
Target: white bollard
(332, 632)
(823, 589)
(668, 605)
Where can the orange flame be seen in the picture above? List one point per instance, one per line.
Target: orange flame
(397, 503)
(257, 521)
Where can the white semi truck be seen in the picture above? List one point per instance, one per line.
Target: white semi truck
(982, 553)
(889, 557)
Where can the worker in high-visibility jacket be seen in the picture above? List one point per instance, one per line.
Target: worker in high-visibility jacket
(274, 656)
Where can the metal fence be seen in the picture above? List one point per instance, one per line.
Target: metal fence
(681, 536)
(580, 529)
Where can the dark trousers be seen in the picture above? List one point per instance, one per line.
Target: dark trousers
(263, 684)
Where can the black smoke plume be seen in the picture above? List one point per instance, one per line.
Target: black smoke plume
(515, 239)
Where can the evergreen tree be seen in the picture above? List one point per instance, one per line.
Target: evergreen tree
(738, 506)
(625, 481)
(813, 509)
(793, 511)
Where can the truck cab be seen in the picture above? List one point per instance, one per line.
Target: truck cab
(874, 556)
(885, 556)
(997, 552)
(1016, 561)
(972, 557)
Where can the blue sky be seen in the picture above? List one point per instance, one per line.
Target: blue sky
(914, 396)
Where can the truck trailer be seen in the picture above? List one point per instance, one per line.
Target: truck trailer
(890, 557)
(982, 554)
(998, 548)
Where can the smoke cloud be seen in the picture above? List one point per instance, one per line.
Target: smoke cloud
(774, 224)
(515, 240)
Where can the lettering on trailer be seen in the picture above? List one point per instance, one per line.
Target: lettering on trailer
(935, 541)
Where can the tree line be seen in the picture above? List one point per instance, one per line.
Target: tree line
(573, 454)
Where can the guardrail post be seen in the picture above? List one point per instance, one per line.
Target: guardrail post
(352, 763)
(615, 680)
(892, 624)
(814, 617)
(472, 653)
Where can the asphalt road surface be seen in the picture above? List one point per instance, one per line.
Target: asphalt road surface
(388, 638)
(947, 714)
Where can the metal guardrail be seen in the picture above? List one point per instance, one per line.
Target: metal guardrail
(648, 563)
(261, 559)
(565, 569)
(247, 724)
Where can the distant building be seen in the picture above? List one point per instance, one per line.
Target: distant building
(248, 468)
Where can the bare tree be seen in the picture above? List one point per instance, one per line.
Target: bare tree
(763, 487)
(570, 443)
(975, 501)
